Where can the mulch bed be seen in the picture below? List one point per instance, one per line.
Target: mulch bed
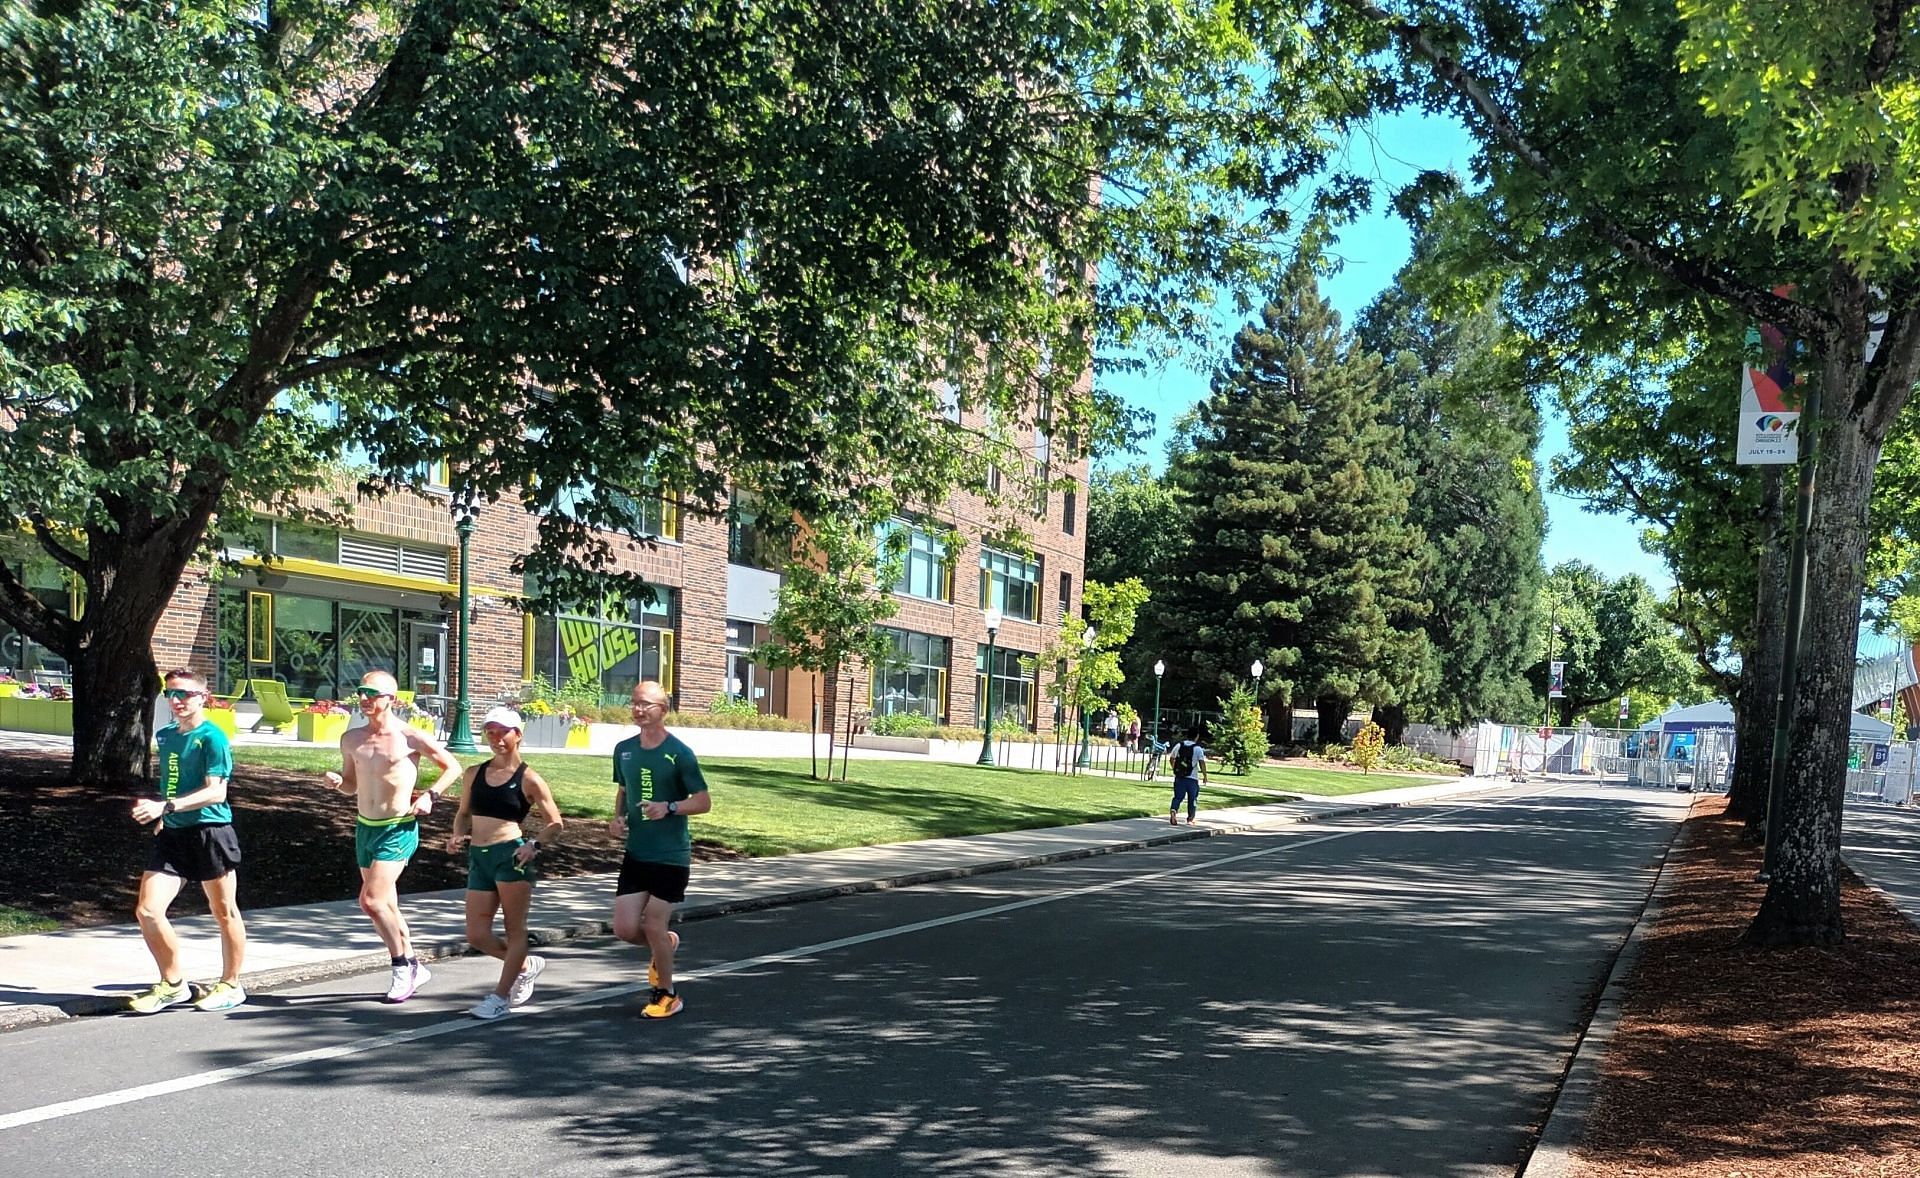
(74, 854)
(1734, 1062)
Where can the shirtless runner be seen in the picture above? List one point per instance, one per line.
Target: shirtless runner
(380, 764)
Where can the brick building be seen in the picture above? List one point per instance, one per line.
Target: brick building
(382, 592)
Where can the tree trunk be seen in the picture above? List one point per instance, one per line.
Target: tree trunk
(1802, 904)
(1392, 721)
(831, 678)
(114, 685)
(1757, 703)
(1333, 710)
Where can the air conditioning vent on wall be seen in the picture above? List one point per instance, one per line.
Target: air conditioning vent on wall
(387, 556)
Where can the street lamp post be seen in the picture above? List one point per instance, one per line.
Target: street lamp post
(1086, 717)
(1259, 668)
(1159, 670)
(986, 692)
(461, 737)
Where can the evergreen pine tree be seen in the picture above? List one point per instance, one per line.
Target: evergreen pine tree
(1470, 428)
(1300, 546)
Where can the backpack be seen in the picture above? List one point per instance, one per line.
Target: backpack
(1183, 759)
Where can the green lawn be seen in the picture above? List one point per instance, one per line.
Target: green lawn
(772, 807)
(1324, 782)
(14, 921)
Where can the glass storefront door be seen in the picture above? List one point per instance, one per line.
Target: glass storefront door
(426, 659)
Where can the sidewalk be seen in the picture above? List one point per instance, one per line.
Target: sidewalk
(46, 977)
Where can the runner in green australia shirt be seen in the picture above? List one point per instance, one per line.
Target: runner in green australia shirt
(193, 840)
(660, 784)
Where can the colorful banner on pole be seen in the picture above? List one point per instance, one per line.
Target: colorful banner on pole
(1625, 704)
(1557, 680)
(1769, 428)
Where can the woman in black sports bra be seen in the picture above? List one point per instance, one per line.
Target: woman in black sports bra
(494, 801)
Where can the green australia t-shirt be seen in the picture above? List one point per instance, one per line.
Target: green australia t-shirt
(666, 773)
(187, 759)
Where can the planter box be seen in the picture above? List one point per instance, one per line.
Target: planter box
(893, 744)
(320, 728)
(52, 716)
(579, 736)
(223, 719)
(545, 732)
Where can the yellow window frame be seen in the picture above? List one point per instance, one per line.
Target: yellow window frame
(259, 627)
(666, 661)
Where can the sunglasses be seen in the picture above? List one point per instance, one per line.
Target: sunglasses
(369, 692)
(181, 692)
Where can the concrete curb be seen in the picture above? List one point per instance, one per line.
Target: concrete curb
(265, 981)
(1552, 1154)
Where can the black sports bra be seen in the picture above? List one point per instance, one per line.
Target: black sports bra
(507, 802)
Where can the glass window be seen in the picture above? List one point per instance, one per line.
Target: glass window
(628, 642)
(1069, 503)
(913, 677)
(304, 645)
(1066, 595)
(753, 540)
(1013, 682)
(925, 573)
(20, 655)
(746, 679)
(369, 641)
(1010, 582)
(305, 543)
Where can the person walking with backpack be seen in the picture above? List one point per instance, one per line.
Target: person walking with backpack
(1189, 770)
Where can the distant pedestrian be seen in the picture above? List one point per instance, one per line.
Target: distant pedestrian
(1113, 727)
(660, 784)
(498, 796)
(1133, 734)
(1189, 770)
(193, 839)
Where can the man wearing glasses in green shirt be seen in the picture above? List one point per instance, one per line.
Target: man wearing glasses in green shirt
(193, 839)
(380, 765)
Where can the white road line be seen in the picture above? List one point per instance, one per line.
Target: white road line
(87, 1104)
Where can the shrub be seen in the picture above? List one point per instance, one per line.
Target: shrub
(902, 724)
(1368, 744)
(748, 723)
(731, 705)
(1238, 739)
(1337, 753)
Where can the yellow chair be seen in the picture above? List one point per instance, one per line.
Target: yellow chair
(276, 710)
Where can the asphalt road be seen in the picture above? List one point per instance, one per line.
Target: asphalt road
(1395, 993)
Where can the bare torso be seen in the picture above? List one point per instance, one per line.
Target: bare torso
(386, 767)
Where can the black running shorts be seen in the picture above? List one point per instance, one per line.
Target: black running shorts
(662, 881)
(198, 853)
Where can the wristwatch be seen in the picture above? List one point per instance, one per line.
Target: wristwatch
(168, 808)
(673, 807)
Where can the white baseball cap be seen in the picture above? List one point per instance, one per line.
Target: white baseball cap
(505, 717)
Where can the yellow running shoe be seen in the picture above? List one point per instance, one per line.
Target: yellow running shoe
(663, 1004)
(163, 995)
(653, 975)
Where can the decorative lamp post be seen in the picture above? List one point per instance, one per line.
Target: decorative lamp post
(1259, 669)
(1159, 670)
(986, 692)
(461, 739)
(1086, 717)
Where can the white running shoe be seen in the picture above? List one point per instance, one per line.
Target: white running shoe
(406, 979)
(491, 1007)
(523, 984)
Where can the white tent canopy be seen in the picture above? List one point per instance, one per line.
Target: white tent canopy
(1716, 714)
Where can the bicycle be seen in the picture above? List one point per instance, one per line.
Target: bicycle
(1154, 752)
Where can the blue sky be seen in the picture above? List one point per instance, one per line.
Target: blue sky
(1372, 251)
